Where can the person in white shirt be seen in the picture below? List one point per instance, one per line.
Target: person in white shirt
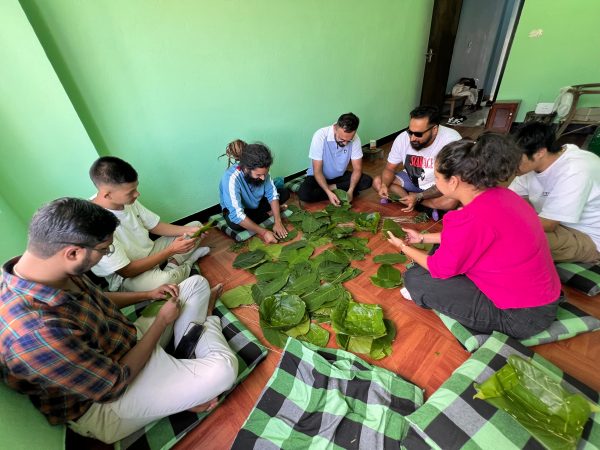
(331, 150)
(135, 263)
(409, 169)
(563, 185)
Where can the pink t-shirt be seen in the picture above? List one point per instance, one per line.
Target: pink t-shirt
(497, 241)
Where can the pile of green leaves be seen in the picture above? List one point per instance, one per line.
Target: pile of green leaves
(361, 328)
(295, 291)
(554, 416)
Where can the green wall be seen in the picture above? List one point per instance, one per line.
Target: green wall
(567, 53)
(43, 145)
(166, 85)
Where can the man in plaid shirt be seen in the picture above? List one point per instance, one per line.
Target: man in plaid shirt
(66, 345)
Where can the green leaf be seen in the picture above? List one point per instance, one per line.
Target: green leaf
(324, 294)
(342, 195)
(553, 415)
(317, 335)
(368, 222)
(238, 246)
(310, 224)
(387, 277)
(358, 319)
(282, 311)
(382, 346)
(360, 344)
(390, 258)
(348, 274)
(290, 236)
(257, 294)
(241, 295)
(421, 218)
(300, 329)
(296, 252)
(304, 284)
(275, 337)
(249, 259)
(395, 228)
(153, 308)
(392, 197)
(269, 271)
(272, 250)
(273, 286)
(204, 228)
(330, 270)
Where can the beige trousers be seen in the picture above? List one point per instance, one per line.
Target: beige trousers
(569, 245)
(167, 385)
(156, 276)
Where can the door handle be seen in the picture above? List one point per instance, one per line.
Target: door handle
(429, 55)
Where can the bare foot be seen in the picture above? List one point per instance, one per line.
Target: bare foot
(215, 293)
(205, 407)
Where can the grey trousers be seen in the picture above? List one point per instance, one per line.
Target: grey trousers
(460, 299)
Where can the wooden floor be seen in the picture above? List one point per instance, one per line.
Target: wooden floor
(424, 351)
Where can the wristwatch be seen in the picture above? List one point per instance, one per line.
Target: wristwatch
(419, 197)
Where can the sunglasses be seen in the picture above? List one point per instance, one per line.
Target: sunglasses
(419, 134)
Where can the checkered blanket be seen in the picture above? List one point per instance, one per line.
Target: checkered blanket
(452, 419)
(294, 185)
(325, 398)
(244, 235)
(570, 321)
(580, 276)
(166, 432)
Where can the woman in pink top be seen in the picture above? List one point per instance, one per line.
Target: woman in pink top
(492, 269)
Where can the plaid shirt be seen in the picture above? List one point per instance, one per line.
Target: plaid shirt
(61, 348)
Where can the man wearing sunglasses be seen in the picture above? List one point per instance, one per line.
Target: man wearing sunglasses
(409, 169)
(331, 149)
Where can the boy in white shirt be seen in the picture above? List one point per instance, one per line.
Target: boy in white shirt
(134, 265)
(563, 185)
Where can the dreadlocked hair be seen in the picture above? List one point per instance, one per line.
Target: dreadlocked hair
(233, 151)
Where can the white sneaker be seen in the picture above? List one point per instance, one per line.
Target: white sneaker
(405, 293)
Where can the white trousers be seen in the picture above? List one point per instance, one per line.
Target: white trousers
(156, 276)
(167, 385)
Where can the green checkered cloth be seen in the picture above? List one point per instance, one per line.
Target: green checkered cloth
(570, 321)
(325, 398)
(583, 277)
(165, 433)
(294, 185)
(240, 236)
(452, 419)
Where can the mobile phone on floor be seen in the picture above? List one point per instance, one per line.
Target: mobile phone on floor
(187, 345)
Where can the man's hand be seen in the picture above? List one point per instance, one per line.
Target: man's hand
(169, 311)
(350, 196)
(181, 245)
(410, 200)
(383, 191)
(279, 230)
(160, 293)
(333, 198)
(268, 237)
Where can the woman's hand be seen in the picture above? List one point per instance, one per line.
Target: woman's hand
(396, 241)
(413, 236)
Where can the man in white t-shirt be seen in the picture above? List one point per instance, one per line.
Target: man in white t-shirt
(563, 185)
(135, 263)
(331, 149)
(409, 172)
